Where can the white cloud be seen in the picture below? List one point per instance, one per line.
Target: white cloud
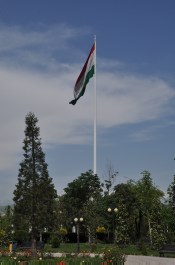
(121, 100)
(131, 99)
(15, 37)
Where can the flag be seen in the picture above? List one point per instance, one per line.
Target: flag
(86, 73)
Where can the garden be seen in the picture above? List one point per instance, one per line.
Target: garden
(90, 254)
(93, 222)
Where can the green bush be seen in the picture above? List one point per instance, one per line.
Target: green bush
(142, 248)
(113, 255)
(93, 247)
(21, 235)
(55, 242)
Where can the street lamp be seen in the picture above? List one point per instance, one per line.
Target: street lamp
(110, 210)
(113, 211)
(77, 222)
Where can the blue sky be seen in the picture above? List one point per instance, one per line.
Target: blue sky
(43, 46)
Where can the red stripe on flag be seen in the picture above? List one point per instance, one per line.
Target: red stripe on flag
(84, 67)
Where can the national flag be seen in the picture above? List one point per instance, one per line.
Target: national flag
(86, 73)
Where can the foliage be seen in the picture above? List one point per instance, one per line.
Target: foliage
(55, 241)
(122, 226)
(62, 231)
(93, 216)
(125, 201)
(34, 196)
(148, 197)
(158, 236)
(80, 200)
(21, 235)
(101, 233)
(6, 228)
(171, 201)
(158, 228)
(93, 247)
(147, 192)
(72, 257)
(143, 248)
(171, 193)
(113, 255)
(78, 192)
(101, 229)
(2, 236)
(109, 178)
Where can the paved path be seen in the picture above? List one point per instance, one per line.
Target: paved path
(147, 260)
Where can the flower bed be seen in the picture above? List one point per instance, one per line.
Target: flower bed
(110, 256)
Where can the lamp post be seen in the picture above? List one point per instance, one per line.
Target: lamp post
(11, 244)
(77, 222)
(114, 211)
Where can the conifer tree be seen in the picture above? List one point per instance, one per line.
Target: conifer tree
(34, 196)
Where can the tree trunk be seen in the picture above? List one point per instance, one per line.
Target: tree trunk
(150, 230)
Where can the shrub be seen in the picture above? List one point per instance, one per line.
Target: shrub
(113, 255)
(63, 231)
(100, 229)
(55, 242)
(93, 247)
(142, 248)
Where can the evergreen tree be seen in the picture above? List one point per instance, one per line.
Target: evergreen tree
(34, 196)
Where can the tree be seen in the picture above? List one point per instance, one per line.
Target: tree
(171, 193)
(79, 191)
(158, 225)
(34, 196)
(80, 199)
(139, 201)
(171, 201)
(6, 228)
(110, 176)
(122, 228)
(148, 197)
(126, 203)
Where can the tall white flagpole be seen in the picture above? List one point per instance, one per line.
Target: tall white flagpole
(95, 112)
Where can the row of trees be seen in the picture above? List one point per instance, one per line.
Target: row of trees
(142, 211)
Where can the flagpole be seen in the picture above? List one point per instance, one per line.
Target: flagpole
(95, 112)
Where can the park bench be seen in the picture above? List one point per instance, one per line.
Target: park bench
(28, 245)
(166, 249)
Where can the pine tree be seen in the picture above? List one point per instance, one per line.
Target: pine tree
(35, 195)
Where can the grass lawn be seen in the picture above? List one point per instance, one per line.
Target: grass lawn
(99, 248)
